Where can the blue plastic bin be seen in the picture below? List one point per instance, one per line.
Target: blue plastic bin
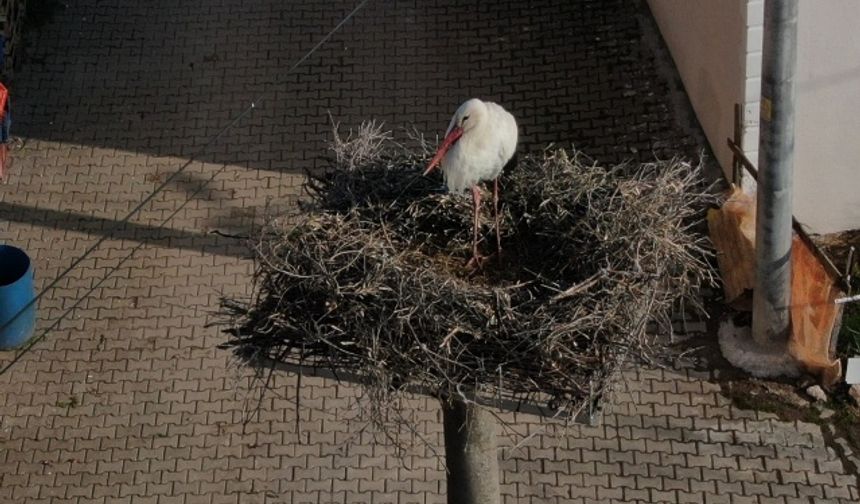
(16, 291)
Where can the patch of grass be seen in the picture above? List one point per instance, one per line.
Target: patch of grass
(757, 396)
(747, 395)
(847, 424)
(838, 247)
(849, 335)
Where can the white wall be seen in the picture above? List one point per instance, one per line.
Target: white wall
(752, 83)
(716, 46)
(708, 42)
(827, 134)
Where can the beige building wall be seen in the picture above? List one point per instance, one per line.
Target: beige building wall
(708, 43)
(827, 135)
(716, 46)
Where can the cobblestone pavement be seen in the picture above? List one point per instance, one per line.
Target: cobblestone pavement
(129, 400)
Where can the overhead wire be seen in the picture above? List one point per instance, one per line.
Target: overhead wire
(255, 104)
(32, 342)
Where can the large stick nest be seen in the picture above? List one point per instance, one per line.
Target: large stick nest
(373, 280)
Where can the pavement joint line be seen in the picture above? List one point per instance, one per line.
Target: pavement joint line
(124, 221)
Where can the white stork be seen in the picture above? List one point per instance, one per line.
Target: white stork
(479, 142)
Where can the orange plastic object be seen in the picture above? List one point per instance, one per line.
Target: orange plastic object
(732, 230)
(814, 313)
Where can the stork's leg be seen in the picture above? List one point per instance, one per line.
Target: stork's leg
(476, 259)
(496, 213)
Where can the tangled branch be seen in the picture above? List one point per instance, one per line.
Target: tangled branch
(373, 280)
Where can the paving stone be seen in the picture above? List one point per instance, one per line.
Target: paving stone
(108, 111)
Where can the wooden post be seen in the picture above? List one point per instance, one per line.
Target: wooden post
(737, 170)
(470, 453)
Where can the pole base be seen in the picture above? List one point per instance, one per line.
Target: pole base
(739, 348)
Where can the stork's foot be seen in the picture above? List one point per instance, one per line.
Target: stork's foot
(477, 262)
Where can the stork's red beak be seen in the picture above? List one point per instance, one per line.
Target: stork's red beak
(449, 141)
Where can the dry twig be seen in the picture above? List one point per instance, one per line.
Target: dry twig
(372, 281)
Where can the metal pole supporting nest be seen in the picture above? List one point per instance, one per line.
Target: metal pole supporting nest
(471, 453)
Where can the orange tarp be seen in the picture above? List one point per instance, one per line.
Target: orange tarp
(732, 230)
(813, 291)
(814, 313)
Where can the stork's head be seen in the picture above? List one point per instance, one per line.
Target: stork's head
(467, 117)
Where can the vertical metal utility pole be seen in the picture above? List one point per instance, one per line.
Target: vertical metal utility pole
(470, 453)
(772, 293)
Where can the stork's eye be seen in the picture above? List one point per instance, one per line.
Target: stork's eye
(465, 118)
